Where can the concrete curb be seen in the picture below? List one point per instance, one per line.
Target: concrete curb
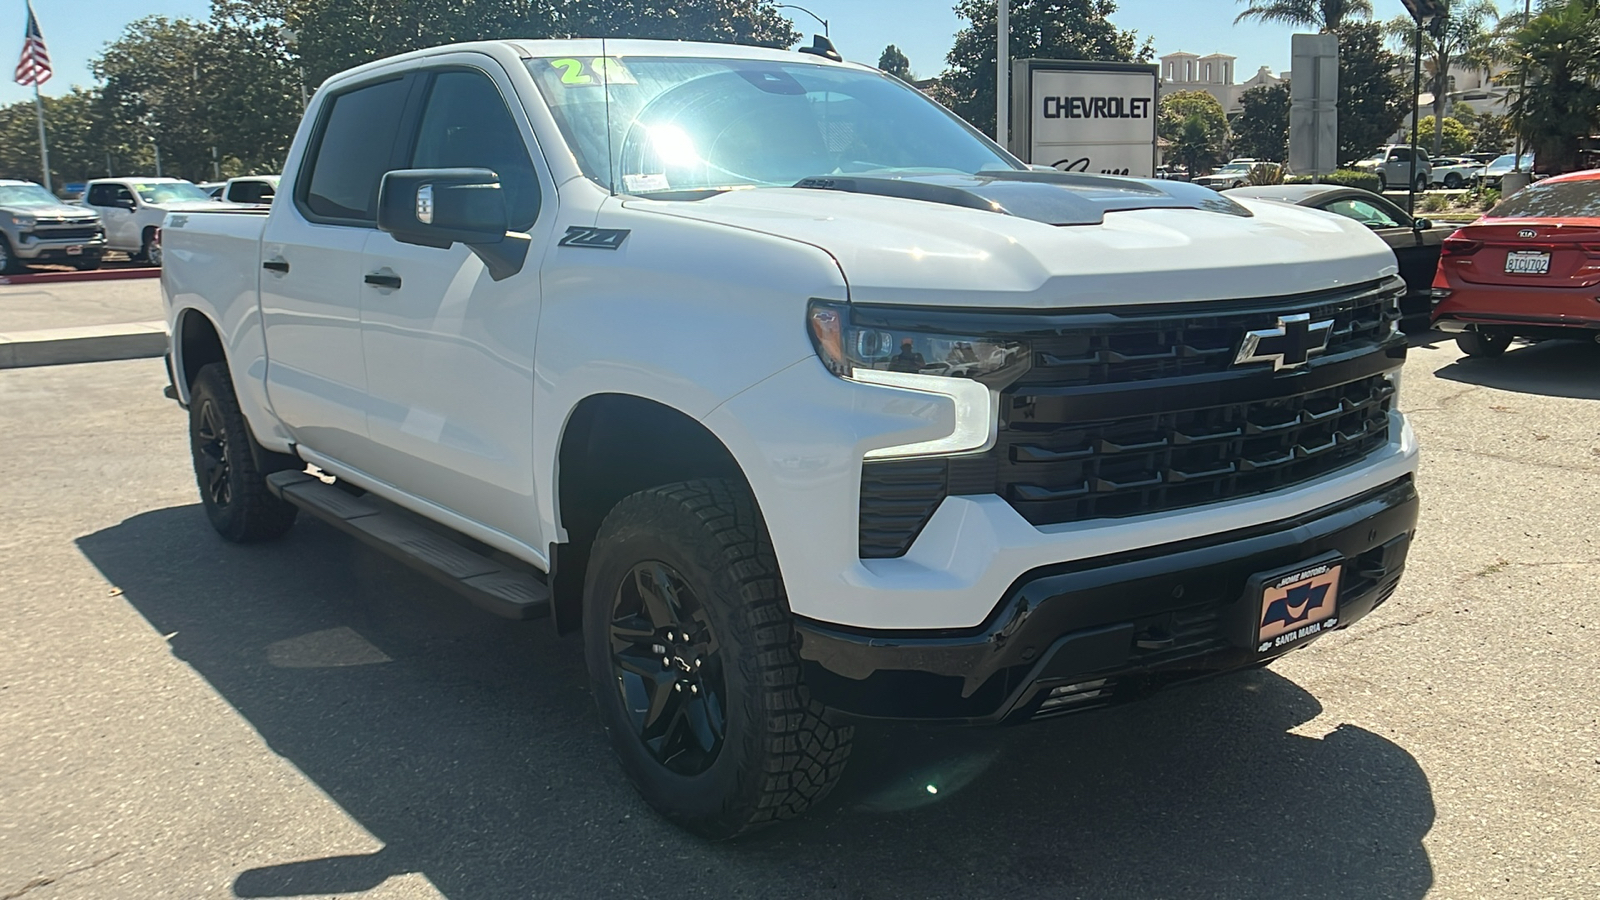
(92, 343)
(93, 275)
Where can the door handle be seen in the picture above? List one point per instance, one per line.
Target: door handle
(281, 266)
(383, 279)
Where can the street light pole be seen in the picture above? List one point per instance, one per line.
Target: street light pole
(1002, 76)
(809, 13)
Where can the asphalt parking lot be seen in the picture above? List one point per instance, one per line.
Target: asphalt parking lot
(184, 718)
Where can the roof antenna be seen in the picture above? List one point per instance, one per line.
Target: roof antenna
(605, 85)
(821, 46)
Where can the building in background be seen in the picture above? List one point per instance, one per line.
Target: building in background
(1213, 74)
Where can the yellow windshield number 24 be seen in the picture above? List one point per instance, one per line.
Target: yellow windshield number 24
(596, 70)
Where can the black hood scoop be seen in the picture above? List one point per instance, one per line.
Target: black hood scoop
(1054, 198)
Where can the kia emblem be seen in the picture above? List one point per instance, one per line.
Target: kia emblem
(1527, 233)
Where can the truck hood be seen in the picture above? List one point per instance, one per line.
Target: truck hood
(895, 249)
(52, 214)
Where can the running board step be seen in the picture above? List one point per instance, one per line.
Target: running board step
(514, 593)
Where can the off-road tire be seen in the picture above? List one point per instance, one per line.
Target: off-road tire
(240, 508)
(781, 752)
(1483, 344)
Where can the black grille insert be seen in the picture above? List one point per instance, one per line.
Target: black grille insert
(1056, 472)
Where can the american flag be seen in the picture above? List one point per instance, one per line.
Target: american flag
(34, 66)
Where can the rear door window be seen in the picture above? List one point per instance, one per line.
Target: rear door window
(353, 151)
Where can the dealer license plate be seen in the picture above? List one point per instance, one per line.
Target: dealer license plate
(1297, 605)
(1527, 262)
(75, 250)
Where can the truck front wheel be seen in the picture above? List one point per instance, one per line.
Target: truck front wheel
(692, 658)
(232, 488)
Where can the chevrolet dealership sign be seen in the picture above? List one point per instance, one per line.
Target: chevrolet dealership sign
(1079, 116)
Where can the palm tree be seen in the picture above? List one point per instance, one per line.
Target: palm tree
(1462, 35)
(1556, 64)
(1323, 15)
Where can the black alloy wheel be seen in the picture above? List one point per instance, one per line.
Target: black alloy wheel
(668, 667)
(1452, 181)
(1484, 343)
(211, 455)
(227, 463)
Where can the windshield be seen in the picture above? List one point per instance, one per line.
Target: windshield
(26, 195)
(1503, 164)
(1562, 199)
(1233, 167)
(169, 192)
(679, 124)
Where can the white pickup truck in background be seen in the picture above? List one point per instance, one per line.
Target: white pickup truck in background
(801, 399)
(132, 210)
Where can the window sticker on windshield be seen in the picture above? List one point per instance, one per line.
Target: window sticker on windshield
(576, 72)
(645, 184)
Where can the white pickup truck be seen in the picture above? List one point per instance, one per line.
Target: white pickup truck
(799, 398)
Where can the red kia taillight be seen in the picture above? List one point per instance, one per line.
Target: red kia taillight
(1459, 247)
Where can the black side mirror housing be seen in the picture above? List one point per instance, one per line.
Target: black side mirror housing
(1422, 224)
(442, 207)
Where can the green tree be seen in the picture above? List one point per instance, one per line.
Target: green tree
(1261, 130)
(1558, 50)
(1040, 29)
(1196, 127)
(1456, 139)
(1323, 15)
(1490, 133)
(893, 61)
(153, 93)
(1372, 98)
(1462, 35)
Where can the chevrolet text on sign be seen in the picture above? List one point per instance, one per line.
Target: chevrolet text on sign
(1087, 117)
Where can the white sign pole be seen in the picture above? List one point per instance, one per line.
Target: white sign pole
(1002, 77)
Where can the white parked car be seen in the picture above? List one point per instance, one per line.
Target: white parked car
(1232, 175)
(132, 210)
(797, 396)
(1454, 172)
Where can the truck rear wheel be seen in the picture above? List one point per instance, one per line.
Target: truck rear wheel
(232, 488)
(692, 658)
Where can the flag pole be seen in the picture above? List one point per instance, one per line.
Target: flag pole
(44, 146)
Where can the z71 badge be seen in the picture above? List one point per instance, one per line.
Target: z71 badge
(596, 238)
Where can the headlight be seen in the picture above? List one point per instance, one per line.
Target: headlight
(24, 221)
(905, 348)
(854, 342)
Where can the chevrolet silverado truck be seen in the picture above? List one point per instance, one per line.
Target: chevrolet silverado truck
(132, 210)
(800, 399)
(37, 227)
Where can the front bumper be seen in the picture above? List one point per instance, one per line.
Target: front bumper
(1091, 633)
(33, 248)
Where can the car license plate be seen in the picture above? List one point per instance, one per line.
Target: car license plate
(1296, 605)
(75, 250)
(1527, 262)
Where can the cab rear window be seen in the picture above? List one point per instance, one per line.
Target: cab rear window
(1562, 199)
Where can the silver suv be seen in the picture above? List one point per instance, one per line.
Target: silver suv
(37, 227)
(1396, 165)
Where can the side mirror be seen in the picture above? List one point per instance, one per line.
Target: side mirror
(124, 203)
(442, 207)
(1422, 224)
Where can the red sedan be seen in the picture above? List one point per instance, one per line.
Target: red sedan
(1530, 268)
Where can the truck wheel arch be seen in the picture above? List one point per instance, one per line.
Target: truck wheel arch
(196, 342)
(613, 446)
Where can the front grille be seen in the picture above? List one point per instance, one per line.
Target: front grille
(1054, 472)
(1141, 345)
(74, 233)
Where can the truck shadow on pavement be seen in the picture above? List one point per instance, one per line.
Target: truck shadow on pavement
(1548, 368)
(469, 747)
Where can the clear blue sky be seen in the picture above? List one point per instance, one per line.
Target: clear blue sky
(76, 30)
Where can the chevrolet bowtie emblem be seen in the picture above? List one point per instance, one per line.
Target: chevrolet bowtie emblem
(1289, 346)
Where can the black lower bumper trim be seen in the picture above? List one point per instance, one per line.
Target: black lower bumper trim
(1086, 634)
